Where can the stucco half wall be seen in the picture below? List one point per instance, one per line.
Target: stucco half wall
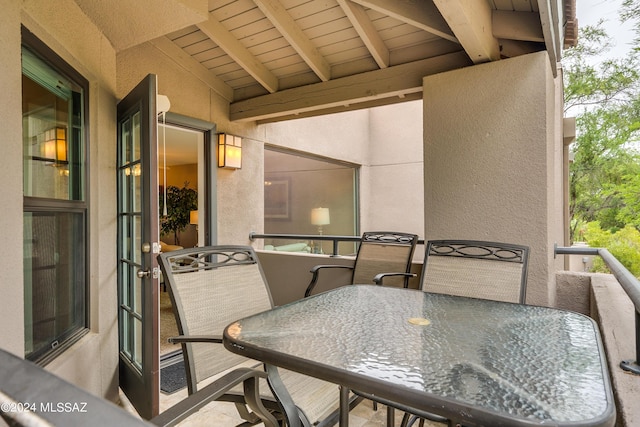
(493, 160)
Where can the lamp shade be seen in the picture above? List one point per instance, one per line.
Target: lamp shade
(193, 217)
(320, 216)
(229, 151)
(55, 145)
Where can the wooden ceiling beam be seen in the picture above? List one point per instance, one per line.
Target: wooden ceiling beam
(287, 26)
(367, 32)
(471, 22)
(523, 26)
(350, 107)
(396, 81)
(187, 62)
(421, 14)
(227, 42)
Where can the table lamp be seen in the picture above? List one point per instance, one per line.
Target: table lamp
(320, 217)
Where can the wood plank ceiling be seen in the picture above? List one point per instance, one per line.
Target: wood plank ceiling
(281, 59)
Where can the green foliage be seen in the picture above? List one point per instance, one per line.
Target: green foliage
(180, 203)
(623, 244)
(603, 178)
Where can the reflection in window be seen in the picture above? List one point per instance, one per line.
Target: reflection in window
(295, 186)
(181, 173)
(54, 98)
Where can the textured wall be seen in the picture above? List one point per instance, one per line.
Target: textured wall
(387, 144)
(489, 160)
(239, 192)
(92, 362)
(394, 190)
(12, 332)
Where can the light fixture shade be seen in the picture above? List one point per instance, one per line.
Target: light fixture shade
(55, 145)
(229, 151)
(193, 217)
(320, 216)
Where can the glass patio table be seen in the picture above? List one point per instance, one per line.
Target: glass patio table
(475, 362)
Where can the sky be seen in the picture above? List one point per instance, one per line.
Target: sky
(590, 11)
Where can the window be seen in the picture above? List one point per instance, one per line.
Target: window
(54, 102)
(295, 184)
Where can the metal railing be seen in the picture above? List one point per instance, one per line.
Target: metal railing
(629, 283)
(315, 237)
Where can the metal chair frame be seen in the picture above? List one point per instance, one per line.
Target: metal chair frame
(365, 269)
(480, 252)
(221, 284)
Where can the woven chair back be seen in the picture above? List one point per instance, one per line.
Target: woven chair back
(487, 270)
(210, 288)
(384, 252)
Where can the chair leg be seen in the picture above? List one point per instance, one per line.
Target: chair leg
(252, 396)
(391, 416)
(405, 420)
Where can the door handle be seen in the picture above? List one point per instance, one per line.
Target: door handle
(143, 273)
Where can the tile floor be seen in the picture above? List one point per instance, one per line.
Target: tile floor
(223, 414)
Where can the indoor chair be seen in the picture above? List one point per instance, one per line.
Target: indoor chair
(213, 286)
(378, 252)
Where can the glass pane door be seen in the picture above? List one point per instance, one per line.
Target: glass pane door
(138, 247)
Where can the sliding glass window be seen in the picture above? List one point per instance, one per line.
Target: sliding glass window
(54, 101)
(307, 194)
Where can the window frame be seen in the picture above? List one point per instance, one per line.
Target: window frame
(345, 248)
(55, 206)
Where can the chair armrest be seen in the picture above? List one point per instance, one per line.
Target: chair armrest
(315, 270)
(195, 338)
(380, 277)
(214, 391)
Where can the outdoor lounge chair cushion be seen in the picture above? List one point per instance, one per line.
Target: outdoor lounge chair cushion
(293, 247)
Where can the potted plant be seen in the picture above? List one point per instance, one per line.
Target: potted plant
(180, 202)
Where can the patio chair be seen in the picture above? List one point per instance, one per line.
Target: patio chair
(32, 396)
(378, 252)
(470, 268)
(212, 286)
(477, 269)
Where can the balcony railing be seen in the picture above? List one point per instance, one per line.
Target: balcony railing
(629, 283)
(313, 237)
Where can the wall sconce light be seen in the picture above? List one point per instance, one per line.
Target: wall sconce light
(229, 151)
(134, 170)
(55, 145)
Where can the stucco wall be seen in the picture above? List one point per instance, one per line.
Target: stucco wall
(489, 159)
(92, 362)
(12, 331)
(343, 136)
(394, 191)
(239, 192)
(387, 144)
